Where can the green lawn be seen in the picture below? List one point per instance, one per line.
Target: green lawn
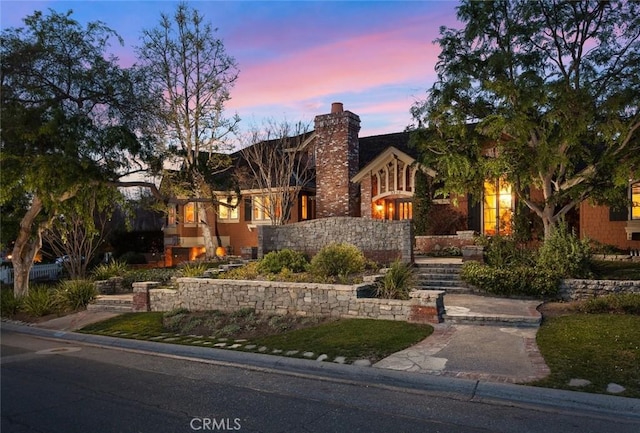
(351, 338)
(601, 348)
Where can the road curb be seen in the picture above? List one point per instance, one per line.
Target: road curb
(461, 389)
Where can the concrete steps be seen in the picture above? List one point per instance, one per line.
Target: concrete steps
(440, 276)
(112, 303)
(486, 310)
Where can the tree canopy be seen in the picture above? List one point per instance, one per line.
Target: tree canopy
(543, 94)
(71, 117)
(192, 75)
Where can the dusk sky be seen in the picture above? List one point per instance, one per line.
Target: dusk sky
(297, 57)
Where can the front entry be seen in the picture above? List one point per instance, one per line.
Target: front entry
(393, 209)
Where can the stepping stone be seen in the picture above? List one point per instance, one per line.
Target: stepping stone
(241, 340)
(578, 383)
(322, 357)
(235, 346)
(220, 345)
(207, 342)
(291, 352)
(340, 359)
(276, 351)
(223, 339)
(362, 363)
(614, 388)
(250, 346)
(262, 349)
(170, 339)
(308, 354)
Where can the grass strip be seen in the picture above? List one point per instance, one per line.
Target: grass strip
(351, 338)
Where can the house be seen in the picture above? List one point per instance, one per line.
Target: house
(367, 177)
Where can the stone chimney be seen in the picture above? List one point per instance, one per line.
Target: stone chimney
(337, 159)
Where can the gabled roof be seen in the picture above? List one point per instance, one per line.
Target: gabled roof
(382, 159)
(371, 147)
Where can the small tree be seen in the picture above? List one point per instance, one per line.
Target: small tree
(279, 162)
(81, 228)
(422, 201)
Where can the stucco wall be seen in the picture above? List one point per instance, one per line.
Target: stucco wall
(380, 240)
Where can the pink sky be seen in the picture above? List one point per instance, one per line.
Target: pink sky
(296, 58)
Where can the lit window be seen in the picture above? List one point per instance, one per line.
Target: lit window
(228, 213)
(304, 207)
(263, 207)
(190, 213)
(635, 199)
(497, 209)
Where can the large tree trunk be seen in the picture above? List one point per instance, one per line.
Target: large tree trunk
(207, 227)
(26, 247)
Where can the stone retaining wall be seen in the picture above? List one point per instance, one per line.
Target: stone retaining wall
(203, 294)
(380, 240)
(575, 290)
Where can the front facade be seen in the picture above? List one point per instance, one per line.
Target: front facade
(368, 177)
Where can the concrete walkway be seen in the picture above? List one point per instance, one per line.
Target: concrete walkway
(482, 338)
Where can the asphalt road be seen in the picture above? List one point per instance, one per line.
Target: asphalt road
(65, 386)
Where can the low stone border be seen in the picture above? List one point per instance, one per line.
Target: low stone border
(329, 300)
(578, 290)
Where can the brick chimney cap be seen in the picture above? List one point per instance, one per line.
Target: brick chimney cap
(337, 107)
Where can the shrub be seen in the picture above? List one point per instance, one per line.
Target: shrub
(246, 272)
(39, 302)
(624, 303)
(161, 275)
(9, 304)
(193, 270)
(75, 294)
(338, 260)
(501, 251)
(275, 261)
(396, 283)
(104, 271)
(513, 280)
(565, 254)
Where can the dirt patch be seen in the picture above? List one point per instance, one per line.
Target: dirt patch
(242, 324)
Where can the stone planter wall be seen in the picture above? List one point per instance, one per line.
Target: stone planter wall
(577, 290)
(303, 299)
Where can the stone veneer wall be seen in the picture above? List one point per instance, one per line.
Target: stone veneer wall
(576, 290)
(379, 240)
(302, 299)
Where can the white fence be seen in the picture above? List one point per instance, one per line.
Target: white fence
(38, 272)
